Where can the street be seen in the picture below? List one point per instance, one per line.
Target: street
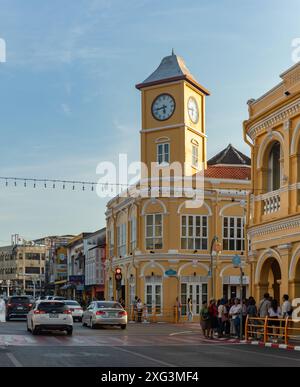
(145, 345)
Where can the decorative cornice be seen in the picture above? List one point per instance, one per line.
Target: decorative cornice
(274, 119)
(275, 226)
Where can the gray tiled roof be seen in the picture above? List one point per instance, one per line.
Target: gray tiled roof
(230, 155)
(171, 66)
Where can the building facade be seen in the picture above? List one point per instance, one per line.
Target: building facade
(22, 268)
(164, 247)
(273, 133)
(95, 257)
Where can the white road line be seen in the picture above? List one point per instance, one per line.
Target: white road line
(144, 357)
(180, 333)
(13, 359)
(262, 354)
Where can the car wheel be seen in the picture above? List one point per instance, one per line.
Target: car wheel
(28, 329)
(83, 323)
(93, 326)
(7, 318)
(35, 331)
(123, 326)
(69, 332)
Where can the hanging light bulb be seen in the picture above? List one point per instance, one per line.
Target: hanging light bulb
(6, 183)
(53, 185)
(64, 185)
(92, 188)
(15, 183)
(45, 185)
(34, 184)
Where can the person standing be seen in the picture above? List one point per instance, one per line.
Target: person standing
(178, 307)
(235, 312)
(140, 308)
(213, 314)
(2, 310)
(264, 306)
(286, 307)
(222, 317)
(274, 313)
(205, 320)
(190, 309)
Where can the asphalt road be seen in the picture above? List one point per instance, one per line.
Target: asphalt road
(147, 345)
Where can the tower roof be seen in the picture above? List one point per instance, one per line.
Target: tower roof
(230, 156)
(171, 68)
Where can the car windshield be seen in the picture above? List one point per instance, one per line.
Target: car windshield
(19, 300)
(74, 303)
(110, 305)
(52, 307)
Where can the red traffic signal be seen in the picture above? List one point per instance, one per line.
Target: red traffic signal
(118, 274)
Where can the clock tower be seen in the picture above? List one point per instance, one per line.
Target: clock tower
(173, 117)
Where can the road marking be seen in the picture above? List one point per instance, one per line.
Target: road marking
(144, 357)
(13, 359)
(180, 333)
(263, 354)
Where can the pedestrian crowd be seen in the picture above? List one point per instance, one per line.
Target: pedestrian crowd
(223, 317)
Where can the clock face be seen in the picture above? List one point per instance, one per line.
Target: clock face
(193, 110)
(163, 107)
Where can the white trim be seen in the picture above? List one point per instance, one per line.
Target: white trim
(162, 140)
(197, 263)
(228, 206)
(204, 204)
(266, 142)
(268, 253)
(154, 201)
(295, 137)
(293, 264)
(153, 264)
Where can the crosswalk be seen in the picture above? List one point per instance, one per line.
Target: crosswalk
(98, 341)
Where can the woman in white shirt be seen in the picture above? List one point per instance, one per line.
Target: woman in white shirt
(274, 314)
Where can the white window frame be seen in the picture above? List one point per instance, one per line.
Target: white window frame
(195, 157)
(121, 234)
(235, 237)
(165, 156)
(202, 237)
(153, 236)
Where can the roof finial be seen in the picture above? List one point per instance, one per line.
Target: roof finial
(173, 53)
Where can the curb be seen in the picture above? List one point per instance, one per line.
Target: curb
(288, 347)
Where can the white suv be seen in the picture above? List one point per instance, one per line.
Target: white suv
(49, 316)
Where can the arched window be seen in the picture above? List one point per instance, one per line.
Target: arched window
(274, 168)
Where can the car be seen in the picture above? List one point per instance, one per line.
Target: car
(50, 315)
(75, 308)
(105, 313)
(58, 298)
(18, 307)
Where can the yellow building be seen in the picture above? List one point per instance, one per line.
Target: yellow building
(163, 246)
(272, 131)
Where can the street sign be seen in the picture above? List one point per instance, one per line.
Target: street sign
(170, 273)
(236, 261)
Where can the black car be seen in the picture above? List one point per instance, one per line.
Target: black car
(18, 306)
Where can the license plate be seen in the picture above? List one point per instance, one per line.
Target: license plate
(20, 308)
(112, 314)
(53, 315)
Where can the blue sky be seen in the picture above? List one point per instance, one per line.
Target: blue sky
(67, 95)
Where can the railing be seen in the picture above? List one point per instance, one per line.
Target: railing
(152, 314)
(263, 329)
(271, 202)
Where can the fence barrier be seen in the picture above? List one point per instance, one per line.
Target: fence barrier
(267, 328)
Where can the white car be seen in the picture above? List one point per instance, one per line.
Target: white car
(105, 313)
(50, 316)
(75, 308)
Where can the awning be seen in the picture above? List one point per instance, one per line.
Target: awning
(67, 286)
(60, 282)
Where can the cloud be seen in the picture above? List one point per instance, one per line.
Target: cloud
(66, 109)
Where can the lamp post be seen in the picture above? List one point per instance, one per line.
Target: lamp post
(237, 263)
(212, 245)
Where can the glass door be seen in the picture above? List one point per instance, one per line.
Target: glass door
(154, 298)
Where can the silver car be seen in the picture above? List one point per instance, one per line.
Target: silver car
(104, 313)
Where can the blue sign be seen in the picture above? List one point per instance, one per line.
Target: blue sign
(171, 273)
(236, 261)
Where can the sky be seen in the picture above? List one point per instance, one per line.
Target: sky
(67, 90)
